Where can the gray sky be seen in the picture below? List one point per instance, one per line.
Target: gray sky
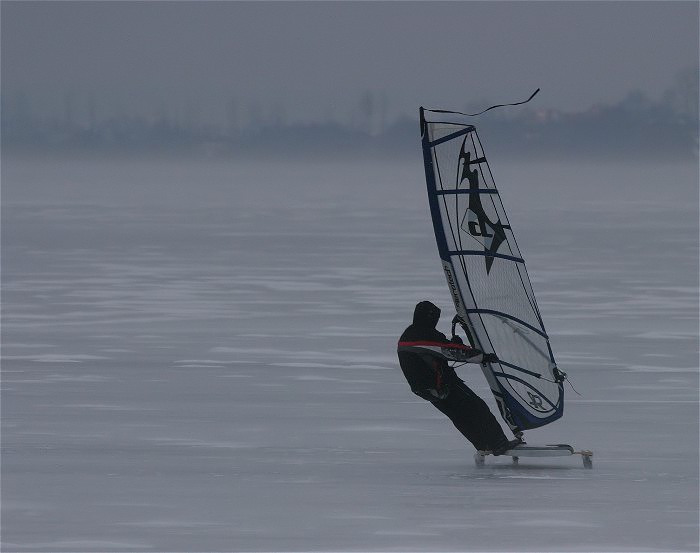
(312, 60)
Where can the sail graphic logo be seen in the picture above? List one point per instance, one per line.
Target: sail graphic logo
(451, 284)
(476, 230)
(490, 235)
(536, 401)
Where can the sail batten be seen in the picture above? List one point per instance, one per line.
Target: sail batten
(487, 254)
(487, 276)
(465, 191)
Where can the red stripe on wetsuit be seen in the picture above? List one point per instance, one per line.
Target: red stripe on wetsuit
(451, 345)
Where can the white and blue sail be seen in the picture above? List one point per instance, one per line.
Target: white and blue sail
(486, 275)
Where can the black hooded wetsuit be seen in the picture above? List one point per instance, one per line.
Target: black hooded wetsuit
(421, 356)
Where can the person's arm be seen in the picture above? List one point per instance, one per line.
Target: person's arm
(457, 351)
(478, 357)
(447, 350)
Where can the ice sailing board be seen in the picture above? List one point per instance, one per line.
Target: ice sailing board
(486, 275)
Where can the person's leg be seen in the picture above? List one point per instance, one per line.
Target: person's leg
(472, 417)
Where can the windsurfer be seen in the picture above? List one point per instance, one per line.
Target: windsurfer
(423, 360)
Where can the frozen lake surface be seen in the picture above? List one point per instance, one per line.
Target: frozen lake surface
(201, 357)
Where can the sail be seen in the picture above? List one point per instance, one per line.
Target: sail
(487, 277)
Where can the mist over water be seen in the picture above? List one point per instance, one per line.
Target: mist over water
(200, 355)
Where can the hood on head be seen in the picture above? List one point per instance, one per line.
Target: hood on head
(426, 314)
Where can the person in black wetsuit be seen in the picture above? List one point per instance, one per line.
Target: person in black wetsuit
(423, 354)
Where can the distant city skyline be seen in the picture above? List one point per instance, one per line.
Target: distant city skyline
(369, 109)
(227, 63)
(634, 128)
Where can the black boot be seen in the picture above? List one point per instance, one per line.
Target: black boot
(505, 445)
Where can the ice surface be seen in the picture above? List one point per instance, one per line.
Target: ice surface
(201, 356)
